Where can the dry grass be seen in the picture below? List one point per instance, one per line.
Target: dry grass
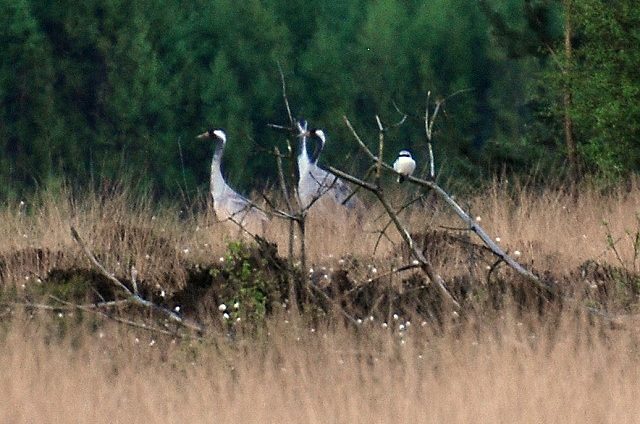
(557, 233)
(553, 232)
(503, 371)
(501, 367)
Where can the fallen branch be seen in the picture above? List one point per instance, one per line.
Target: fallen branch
(132, 297)
(120, 320)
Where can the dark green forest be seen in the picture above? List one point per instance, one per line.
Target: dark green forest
(98, 91)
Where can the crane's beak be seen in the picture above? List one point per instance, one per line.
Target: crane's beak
(302, 129)
(203, 135)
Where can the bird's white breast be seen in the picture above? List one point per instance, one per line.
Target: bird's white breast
(404, 165)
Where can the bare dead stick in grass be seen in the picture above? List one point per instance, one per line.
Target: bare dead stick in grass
(96, 309)
(132, 296)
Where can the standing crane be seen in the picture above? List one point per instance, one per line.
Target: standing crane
(227, 204)
(315, 182)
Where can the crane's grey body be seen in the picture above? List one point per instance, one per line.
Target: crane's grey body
(227, 204)
(314, 182)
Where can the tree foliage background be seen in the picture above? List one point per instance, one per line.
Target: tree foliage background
(97, 90)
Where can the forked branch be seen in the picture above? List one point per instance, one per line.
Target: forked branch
(131, 296)
(472, 224)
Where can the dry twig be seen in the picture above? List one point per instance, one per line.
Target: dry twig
(132, 297)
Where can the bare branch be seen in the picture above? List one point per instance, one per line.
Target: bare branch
(132, 297)
(284, 94)
(280, 127)
(384, 229)
(476, 228)
(473, 226)
(352, 179)
(97, 264)
(334, 303)
(428, 127)
(359, 140)
(404, 115)
(394, 271)
(281, 180)
(130, 323)
(274, 209)
(425, 265)
(380, 150)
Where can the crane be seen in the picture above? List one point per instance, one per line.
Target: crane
(228, 204)
(315, 182)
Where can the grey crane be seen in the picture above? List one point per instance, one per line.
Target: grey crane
(228, 204)
(314, 182)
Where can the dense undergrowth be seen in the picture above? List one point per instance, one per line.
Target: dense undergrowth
(208, 272)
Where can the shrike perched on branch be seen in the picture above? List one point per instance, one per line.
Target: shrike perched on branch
(404, 165)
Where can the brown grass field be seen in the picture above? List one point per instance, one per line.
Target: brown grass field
(522, 359)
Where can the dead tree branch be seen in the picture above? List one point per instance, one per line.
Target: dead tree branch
(132, 297)
(377, 190)
(426, 266)
(471, 223)
(388, 224)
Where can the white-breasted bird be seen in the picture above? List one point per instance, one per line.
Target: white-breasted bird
(404, 165)
(228, 204)
(314, 182)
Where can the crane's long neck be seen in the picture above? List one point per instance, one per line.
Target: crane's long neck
(316, 153)
(217, 182)
(303, 157)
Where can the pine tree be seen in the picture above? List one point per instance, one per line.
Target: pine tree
(27, 119)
